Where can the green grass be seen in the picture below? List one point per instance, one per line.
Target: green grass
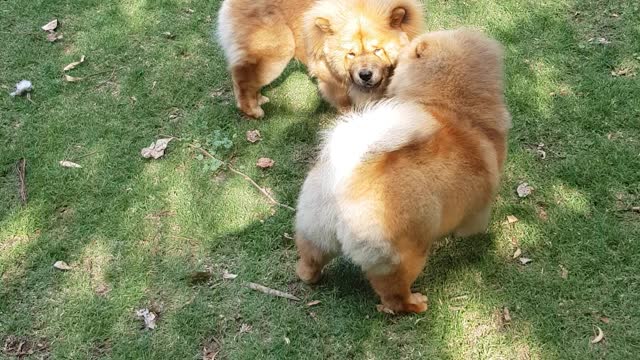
(560, 91)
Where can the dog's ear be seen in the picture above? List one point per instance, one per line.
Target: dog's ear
(421, 48)
(323, 24)
(398, 16)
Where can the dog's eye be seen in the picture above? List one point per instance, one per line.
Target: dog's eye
(351, 55)
(378, 52)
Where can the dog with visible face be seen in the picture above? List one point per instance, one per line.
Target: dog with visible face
(351, 47)
(401, 173)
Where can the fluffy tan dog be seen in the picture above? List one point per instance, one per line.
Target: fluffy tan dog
(350, 46)
(406, 171)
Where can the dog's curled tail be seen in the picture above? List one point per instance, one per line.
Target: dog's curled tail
(378, 128)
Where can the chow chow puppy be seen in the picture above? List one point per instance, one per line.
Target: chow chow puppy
(350, 46)
(403, 172)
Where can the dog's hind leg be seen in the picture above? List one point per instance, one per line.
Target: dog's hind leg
(312, 260)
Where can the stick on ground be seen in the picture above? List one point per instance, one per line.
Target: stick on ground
(273, 292)
(21, 167)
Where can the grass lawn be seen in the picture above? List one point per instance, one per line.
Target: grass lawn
(133, 230)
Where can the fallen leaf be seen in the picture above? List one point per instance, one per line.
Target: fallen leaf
(524, 260)
(199, 277)
(69, 78)
(74, 64)
(53, 37)
(383, 309)
(272, 292)
(253, 136)
(313, 303)
(265, 163)
(506, 314)
(61, 265)
(169, 35)
(51, 25)
(517, 253)
(542, 214)
(600, 40)
(102, 289)
(189, 10)
(156, 149)
(245, 328)
(625, 71)
(599, 336)
(287, 341)
(605, 319)
(511, 219)
(149, 318)
(22, 87)
(524, 190)
(228, 276)
(69, 164)
(564, 273)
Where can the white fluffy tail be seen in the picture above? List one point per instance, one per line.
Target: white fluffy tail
(378, 128)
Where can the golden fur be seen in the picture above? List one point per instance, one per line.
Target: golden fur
(406, 171)
(351, 46)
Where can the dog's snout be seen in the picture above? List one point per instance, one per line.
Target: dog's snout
(365, 74)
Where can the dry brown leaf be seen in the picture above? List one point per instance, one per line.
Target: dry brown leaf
(156, 149)
(605, 319)
(564, 273)
(506, 314)
(149, 318)
(74, 64)
(245, 328)
(253, 136)
(624, 71)
(542, 214)
(313, 303)
(265, 163)
(524, 190)
(599, 336)
(51, 25)
(517, 253)
(383, 309)
(61, 265)
(511, 219)
(228, 276)
(272, 292)
(53, 37)
(524, 260)
(69, 78)
(69, 164)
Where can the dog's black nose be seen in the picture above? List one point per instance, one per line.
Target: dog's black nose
(365, 75)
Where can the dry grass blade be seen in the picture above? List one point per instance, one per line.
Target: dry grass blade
(69, 78)
(272, 292)
(21, 167)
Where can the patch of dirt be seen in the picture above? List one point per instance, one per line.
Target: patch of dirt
(20, 346)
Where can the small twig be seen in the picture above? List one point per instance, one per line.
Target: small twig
(21, 167)
(273, 292)
(246, 177)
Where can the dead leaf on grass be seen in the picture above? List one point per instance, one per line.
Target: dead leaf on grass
(156, 149)
(61, 265)
(287, 341)
(272, 292)
(313, 303)
(524, 260)
(564, 273)
(53, 37)
(69, 78)
(605, 319)
(189, 10)
(524, 190)
(599, 336)
(74, 64)
(169, 35)
(506, 315)
(69, 164)
(253, 136)
(228, 276)
(517, 253)
(600, 40)
(265, 163)
(287, 236)
(511, 219)
(149, 318)
(623, 71)
(542, 214)
(245, 328)
(51, 25)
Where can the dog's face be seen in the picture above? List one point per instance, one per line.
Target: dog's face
(363, 50)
